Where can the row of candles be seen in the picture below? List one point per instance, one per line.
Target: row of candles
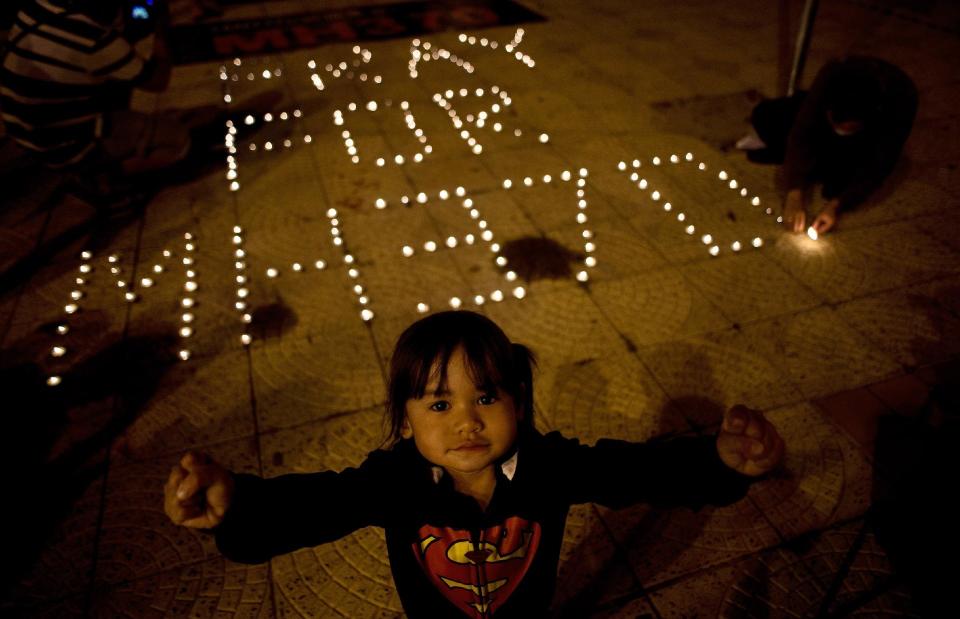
(690, 228)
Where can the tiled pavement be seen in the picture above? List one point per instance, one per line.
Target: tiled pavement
(849, 342)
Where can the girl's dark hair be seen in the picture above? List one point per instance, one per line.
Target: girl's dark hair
(493, 362)
(852, 95)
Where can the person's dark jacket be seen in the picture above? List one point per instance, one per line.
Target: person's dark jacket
(851, 167)
(449, 557)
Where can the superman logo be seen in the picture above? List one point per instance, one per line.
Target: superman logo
(478, 575)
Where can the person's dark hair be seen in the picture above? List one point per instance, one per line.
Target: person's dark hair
(852, 95)
(493, 362)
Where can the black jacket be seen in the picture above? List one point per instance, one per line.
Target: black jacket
(449, 558)
(851, 167)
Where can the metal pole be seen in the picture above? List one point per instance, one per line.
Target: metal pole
(803, 44)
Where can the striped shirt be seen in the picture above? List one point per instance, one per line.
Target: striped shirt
(61, 73)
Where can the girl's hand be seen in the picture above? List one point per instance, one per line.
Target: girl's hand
(748, 443)
(198, 492)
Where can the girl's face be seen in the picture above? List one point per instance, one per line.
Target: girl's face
(464, 429)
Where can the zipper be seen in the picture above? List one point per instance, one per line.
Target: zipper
(480, 571)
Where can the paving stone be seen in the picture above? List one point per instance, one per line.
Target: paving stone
(858, 262)
(793, 583)
(941, 226)
(184, 405)
(620, 251)
(749, 287)
(908, 324)
(138, 540)
(824, 478)
(662, 544)
(656, 306)
(708, 374)
(611, 397)
(327, 372)
(592, 570)
(818, 352)
(899, 198)
(560, 327)
(211, 588)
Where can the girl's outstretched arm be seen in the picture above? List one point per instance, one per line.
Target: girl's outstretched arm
(262, 518)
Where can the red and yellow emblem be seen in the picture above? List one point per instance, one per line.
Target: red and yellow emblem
(478, 575)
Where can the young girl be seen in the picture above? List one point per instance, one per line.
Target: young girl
(473, 499)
